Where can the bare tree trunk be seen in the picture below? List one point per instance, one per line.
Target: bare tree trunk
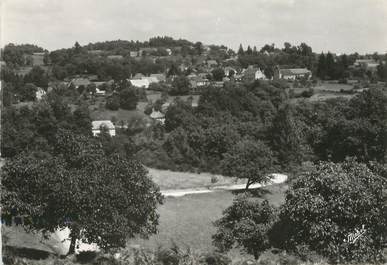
(248, 184)
(74, 235)
(72, 245)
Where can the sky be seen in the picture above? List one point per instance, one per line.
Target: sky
(326, 25)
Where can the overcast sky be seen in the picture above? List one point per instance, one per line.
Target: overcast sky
(334, 25)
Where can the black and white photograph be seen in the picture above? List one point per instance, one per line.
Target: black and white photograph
(202, 132)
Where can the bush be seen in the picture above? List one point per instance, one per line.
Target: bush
(128, 99)
(307, 93)
(215, 258)
(113, 102)
(86, 256)
(245, 224)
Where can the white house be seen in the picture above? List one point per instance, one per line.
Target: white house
(292, 73)
(40, 93)
(157, 115)
(144, 83)
(151, 79)
(100, 92)
(252, 73)
(108, 125)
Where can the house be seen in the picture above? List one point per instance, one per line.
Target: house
(292, 73)
(100, 92)
(160, 77)
(366, 64)
(218, 84)
(146, 51)
(144, 83)
(157, 115)
(24, 70)
(40, 93)
(151, 79)
(133, 54)
(252, 73)
(80, 81)
(197, 83)
(169, 51)
(138, 76)
(95, 52)
(106, 124)
(115, 57)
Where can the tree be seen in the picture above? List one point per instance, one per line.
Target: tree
(105, 201)
(325, 206)
(240, 50)
(28, 92)
(218, 74)
(198, 47)
(82, 120)
(37, 76)
(180, 86)
(287, 137)
(245, 224)
(249, 51)
(91, 88)
(330, 65)
(113, 102)
(251, 160)
(321, 66)
(128, 99)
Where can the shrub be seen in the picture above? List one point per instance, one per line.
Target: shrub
(113, 102)
(215, 258)
(245, 224)
(86, 256)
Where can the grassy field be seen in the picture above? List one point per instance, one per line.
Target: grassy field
(99, 112)
(167, 179)
(188, 221)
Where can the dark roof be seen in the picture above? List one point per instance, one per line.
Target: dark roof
(294, 71)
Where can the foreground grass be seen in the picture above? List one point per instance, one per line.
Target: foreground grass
(167, 179)
(188, 220)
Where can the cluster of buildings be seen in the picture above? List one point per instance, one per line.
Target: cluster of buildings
(366, 64)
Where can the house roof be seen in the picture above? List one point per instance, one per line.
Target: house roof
(138, 76)
(80, 81)
(294, 71)
(160, 77)
(151, 79)
(140, 82)
(96, 125)
(210, 62)
(157, 115)
(115, 57)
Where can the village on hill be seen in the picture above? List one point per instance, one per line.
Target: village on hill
(171, 151)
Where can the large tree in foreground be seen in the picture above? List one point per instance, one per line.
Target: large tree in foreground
(325, 207)
(101, 199)
(251, 160)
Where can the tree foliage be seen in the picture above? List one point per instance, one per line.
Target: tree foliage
(324, 207)
(102, 199)
(245, 224)
(251, 160)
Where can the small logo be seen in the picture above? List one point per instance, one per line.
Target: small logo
(356, 235)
